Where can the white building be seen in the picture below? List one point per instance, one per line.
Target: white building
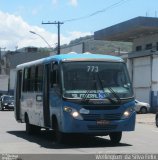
(142, 62)
(3, 84)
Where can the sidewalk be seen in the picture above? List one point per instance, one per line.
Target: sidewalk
(148, 118)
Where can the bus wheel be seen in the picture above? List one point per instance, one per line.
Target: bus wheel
(29, 129)
(32, 129)
(156, 121)
(59, 136)
(115, 137)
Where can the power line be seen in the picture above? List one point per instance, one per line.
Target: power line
(97, 12)
(84, 17)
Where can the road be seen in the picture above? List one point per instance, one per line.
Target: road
(13, 139)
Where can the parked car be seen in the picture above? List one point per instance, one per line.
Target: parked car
(156, 119)
(141, 107)
(6, 102)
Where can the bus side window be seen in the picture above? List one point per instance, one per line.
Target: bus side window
(32, 79)
(26, 79)
(54, 76)
(39, 78)
(121, 78)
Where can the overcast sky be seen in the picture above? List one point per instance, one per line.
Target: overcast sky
(80, 17)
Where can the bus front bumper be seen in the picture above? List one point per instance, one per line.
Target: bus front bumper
(99, 127)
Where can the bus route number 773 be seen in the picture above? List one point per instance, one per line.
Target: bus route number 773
(92, 68)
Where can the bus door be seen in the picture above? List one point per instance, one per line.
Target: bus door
(18, 95)
(55, 90)
(46, 109)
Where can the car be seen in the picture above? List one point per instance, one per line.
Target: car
(141, 107)
(6, 102)
(156, 119)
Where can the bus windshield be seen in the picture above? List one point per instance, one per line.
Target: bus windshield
(96, 80)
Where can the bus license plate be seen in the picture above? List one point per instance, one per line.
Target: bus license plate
(102, 122)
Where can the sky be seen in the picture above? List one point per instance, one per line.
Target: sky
(79, 17)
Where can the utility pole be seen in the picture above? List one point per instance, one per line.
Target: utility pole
(58, 23)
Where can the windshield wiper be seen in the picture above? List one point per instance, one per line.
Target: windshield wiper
(111, 90)
(114, 94)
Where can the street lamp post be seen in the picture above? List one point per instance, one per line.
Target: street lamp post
(41, 38)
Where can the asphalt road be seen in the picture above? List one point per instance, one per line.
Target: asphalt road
(14, 140)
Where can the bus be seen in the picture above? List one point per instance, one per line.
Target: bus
(85, 94)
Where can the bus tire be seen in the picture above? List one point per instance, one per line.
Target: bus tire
(31, 129)
(28, 125)
(115, 137)
(156, 121)
(28, 128)
(59, 136)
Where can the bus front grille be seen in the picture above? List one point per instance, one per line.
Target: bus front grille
(94, 117)
(101, 107)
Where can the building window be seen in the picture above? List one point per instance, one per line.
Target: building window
(138, 48)
(148, 46)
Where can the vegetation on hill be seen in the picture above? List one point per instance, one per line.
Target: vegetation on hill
(102, 47)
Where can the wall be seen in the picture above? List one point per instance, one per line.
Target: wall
(144, 76)
(12, 80)
(18, 57)
(142, 41)
(154, 92)
(3, 83)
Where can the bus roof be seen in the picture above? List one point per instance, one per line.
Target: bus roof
(74, 57)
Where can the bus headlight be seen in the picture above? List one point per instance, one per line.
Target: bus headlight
(73, 112)
(127, 112)
(67, 109)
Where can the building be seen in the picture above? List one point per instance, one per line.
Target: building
(22, 55)
(3, 72)
(143, 60)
